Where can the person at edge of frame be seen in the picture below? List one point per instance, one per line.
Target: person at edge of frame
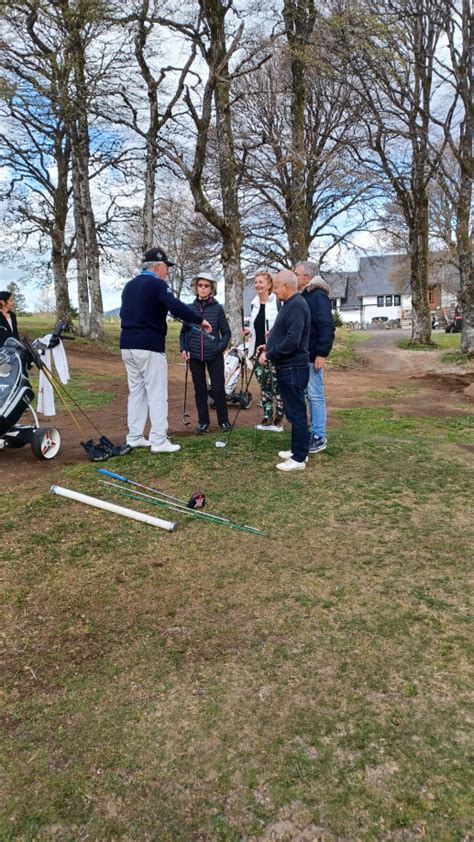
(146, 302)
(287, 349)
(8, 325)
(264, 310)
(204, 353)
(315, 292)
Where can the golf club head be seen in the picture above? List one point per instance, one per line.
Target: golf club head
(221, 444)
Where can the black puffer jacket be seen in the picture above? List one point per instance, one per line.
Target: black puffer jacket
(199, 345)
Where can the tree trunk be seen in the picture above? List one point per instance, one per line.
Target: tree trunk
(81, 256)
(149, 201)
(466, 277)
(299, 20)
(418, 240)
(232, 236)
(58, 244)
(79, 137)
(234, 285)
(61, 292)
(297, 216)
(464, 210)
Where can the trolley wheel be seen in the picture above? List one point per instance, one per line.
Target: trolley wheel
(246, 400)
(46, 442)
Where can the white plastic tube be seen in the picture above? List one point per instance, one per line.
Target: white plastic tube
(111, 507)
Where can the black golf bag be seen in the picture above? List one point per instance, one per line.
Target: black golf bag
(16, 393)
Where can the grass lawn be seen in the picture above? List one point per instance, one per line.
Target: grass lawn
(214, 685)
(450, 342)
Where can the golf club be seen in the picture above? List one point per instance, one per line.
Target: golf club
(195, 328)
(225, 443)
(196, 501)
(176, 507)
(186, 414)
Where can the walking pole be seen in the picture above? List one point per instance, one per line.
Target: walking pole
(244, 382)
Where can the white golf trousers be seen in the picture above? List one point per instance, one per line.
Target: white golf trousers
(147, 376)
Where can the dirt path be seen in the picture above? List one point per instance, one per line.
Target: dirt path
(432, 389)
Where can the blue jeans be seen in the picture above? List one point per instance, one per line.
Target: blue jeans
(317, 403)
(293, 381)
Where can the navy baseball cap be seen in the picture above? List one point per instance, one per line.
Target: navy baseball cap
(157, 256)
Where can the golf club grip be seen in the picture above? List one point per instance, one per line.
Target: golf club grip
(110, 474)
(199, 330)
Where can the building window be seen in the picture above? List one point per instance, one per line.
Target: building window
(380, 301)
(397, 300)
(388, 300)
(431, 295)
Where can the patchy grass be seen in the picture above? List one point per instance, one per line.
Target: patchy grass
(87, 391)
(408, 345)
(209, 684)
(344, 352)
(456, 358)
(393, 393)
(439, 341)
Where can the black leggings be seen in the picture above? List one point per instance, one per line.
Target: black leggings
(215, 368)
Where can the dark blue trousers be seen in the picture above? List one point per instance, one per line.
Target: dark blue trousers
(293, 381)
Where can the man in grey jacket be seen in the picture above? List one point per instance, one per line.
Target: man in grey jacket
(315, 292)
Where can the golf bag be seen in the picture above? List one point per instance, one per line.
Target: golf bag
(16, 394)
(236, 376)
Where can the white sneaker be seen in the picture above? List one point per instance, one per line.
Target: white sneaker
(166, 447)
(139, 443)
(272, 428)
(291, 465)
(285, 454)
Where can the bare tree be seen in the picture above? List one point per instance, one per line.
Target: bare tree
(35, 148)
(145, 73)
(390, 51)
(210, 108)
(459, 29)
(335, 196)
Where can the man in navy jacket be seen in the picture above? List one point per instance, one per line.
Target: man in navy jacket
(315, 292)
(287, 350)
(146, 301)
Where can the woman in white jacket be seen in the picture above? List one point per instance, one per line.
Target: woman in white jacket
(264, 310)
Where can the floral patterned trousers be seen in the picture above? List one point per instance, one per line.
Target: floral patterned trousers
(270, 393)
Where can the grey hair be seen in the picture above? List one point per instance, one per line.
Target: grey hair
(310, 268)
(149, 263)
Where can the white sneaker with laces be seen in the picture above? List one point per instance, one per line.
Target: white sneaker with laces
(166, 447)
(285, 454)
(139, 443)
(291, 465)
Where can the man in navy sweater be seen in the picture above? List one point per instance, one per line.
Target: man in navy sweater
(315, 292)
(287, 349)
(146, 301)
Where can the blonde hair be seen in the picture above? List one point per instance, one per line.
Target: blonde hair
(267, 277)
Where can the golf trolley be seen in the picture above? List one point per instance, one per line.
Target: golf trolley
(16, 394)
(236, 377)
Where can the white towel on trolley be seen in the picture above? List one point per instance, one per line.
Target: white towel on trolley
(45, 403)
